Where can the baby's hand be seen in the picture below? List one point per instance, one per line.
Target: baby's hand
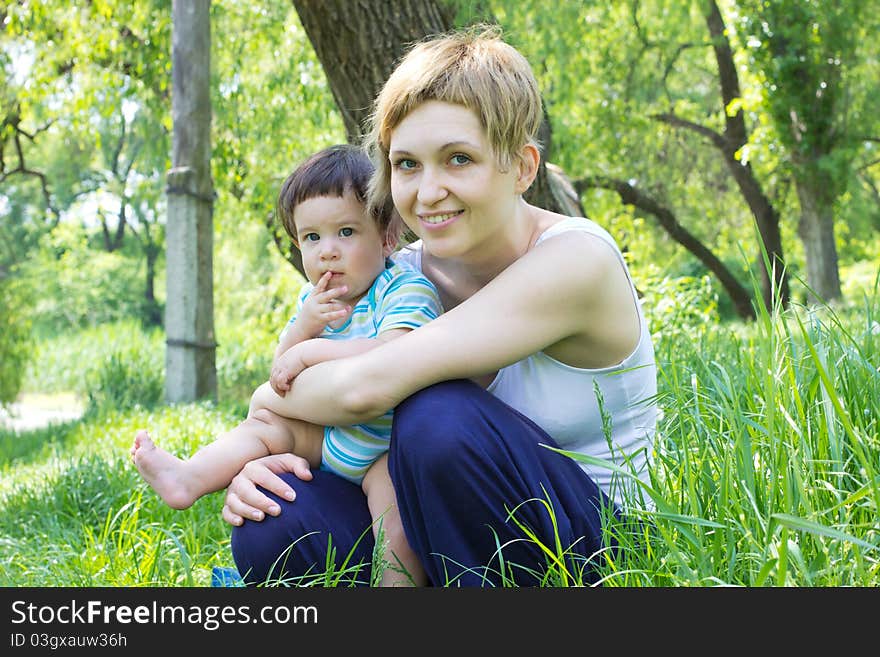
(285, 370)
(321, 307)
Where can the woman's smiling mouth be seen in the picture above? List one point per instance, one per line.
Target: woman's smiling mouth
(441, 219)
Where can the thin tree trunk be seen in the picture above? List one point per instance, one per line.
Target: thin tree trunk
(153, 311)
(114, 241)
(735, 137)
(816, 230)
(189, 312)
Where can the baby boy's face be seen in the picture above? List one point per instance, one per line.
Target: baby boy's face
(337, 235)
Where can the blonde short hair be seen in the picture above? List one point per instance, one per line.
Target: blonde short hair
(471, 67)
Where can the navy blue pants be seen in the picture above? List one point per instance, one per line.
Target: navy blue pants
(461, 461)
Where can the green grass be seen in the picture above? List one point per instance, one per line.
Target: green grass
(768, 459)
(766, 472)
(77, 513)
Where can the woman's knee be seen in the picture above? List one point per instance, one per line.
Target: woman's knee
(437, 424)
(256, 542)
(328, 513)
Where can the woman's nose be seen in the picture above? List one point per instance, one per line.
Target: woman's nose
(431, 188)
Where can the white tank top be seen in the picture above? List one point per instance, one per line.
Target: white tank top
(564, 400)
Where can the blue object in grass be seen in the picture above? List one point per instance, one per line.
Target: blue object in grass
(225, 577)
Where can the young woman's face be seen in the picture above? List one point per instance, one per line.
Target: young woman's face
(446, 182)
(336, 234)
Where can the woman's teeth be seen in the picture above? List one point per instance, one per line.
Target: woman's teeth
(439, 218)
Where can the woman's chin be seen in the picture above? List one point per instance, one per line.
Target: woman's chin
(442, 247)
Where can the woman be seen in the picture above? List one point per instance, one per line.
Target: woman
(543, 343)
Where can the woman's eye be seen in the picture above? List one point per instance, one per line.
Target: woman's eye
(346, 232)
(405, 164)
(460, 159)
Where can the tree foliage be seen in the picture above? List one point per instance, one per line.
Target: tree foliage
(640, 99)
(806, 54)
(639, 116)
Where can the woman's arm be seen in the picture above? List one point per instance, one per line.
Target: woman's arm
(562, 290)
(308, 353)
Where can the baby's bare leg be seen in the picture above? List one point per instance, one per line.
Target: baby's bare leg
(181, 482)
(403, 567)
(308, 438)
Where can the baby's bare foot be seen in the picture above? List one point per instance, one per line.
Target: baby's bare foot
(163, 471)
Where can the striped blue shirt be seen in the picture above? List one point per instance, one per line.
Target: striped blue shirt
(400, 297)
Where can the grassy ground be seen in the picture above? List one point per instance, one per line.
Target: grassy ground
(766, 472)
(77, 514)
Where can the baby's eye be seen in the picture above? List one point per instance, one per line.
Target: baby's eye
(459, 159)
(346, 232)
(311, 237)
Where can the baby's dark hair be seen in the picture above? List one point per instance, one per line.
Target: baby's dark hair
(334, 171)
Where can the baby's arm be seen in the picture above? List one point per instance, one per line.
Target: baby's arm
(410, 302)
(319, 309)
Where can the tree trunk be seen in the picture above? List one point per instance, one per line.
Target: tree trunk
(152, 310)
(189, 312)
(358, 44)
(803, 50)
(816, 230)
(114, 242)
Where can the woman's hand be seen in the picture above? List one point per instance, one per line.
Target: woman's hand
(245, 501)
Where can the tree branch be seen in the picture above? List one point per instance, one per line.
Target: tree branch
(117, 150)
(630, 195)
(32, 136)
(23, 169)
(868, 165)
(704, 131)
